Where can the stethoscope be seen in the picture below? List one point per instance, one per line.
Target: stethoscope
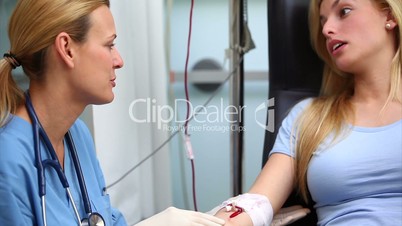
(93, 218)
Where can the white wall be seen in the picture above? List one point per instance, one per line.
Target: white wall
(121, 142)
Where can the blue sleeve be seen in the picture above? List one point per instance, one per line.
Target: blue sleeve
(18, 179)
(11, 212)
(285, 139)
(13, 208)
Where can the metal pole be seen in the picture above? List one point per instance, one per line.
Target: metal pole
(236, 94)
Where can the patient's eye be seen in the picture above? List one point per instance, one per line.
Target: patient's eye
(344, 11)
(322, 20)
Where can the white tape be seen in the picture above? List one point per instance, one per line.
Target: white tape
(258, 207)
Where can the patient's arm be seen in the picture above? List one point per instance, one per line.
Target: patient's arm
(288, 215)
(275, 182)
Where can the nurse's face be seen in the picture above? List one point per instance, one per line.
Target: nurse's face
(97, 60)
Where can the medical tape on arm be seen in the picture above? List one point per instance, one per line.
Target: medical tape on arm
(258, 207)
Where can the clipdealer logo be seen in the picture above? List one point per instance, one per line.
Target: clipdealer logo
(267, 106)
(205, 118)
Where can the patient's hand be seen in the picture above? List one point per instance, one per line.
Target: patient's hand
(289, 215)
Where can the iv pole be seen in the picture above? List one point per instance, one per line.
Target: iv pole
(236, 93)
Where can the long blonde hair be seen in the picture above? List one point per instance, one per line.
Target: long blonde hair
(328, 113)
(33, 27)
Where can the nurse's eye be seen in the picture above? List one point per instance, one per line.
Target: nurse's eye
(111, 46)
(344, 11)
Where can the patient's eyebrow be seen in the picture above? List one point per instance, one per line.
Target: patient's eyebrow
(334, 5)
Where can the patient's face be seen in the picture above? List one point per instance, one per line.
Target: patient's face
(354, 30)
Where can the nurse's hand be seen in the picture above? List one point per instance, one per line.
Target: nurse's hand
(178, 217)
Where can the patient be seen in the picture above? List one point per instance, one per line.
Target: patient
(344, 147)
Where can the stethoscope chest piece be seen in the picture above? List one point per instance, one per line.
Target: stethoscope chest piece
(94, 219)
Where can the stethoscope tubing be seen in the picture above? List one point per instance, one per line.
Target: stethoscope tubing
(38, 133)
(40, 165)
(78, 171)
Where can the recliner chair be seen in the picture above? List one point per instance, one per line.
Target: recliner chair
(295, 73)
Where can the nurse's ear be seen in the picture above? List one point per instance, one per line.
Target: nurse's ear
(64, 46)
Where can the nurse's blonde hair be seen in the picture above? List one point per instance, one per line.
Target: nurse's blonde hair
(33, 27)
(328, 113)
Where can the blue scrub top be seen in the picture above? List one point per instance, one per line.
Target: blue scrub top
(20, 203)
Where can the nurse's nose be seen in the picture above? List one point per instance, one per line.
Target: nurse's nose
(117, 59)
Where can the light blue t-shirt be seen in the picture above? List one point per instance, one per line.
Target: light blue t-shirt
(20, 203)
(356, 180)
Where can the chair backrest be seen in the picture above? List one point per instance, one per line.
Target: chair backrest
(295, 71)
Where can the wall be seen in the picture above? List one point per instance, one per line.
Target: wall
(210, 33)
(5, 12)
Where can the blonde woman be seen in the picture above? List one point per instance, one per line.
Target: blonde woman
(49, 173)
(344, 147)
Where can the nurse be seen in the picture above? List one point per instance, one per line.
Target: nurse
(66, 48)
